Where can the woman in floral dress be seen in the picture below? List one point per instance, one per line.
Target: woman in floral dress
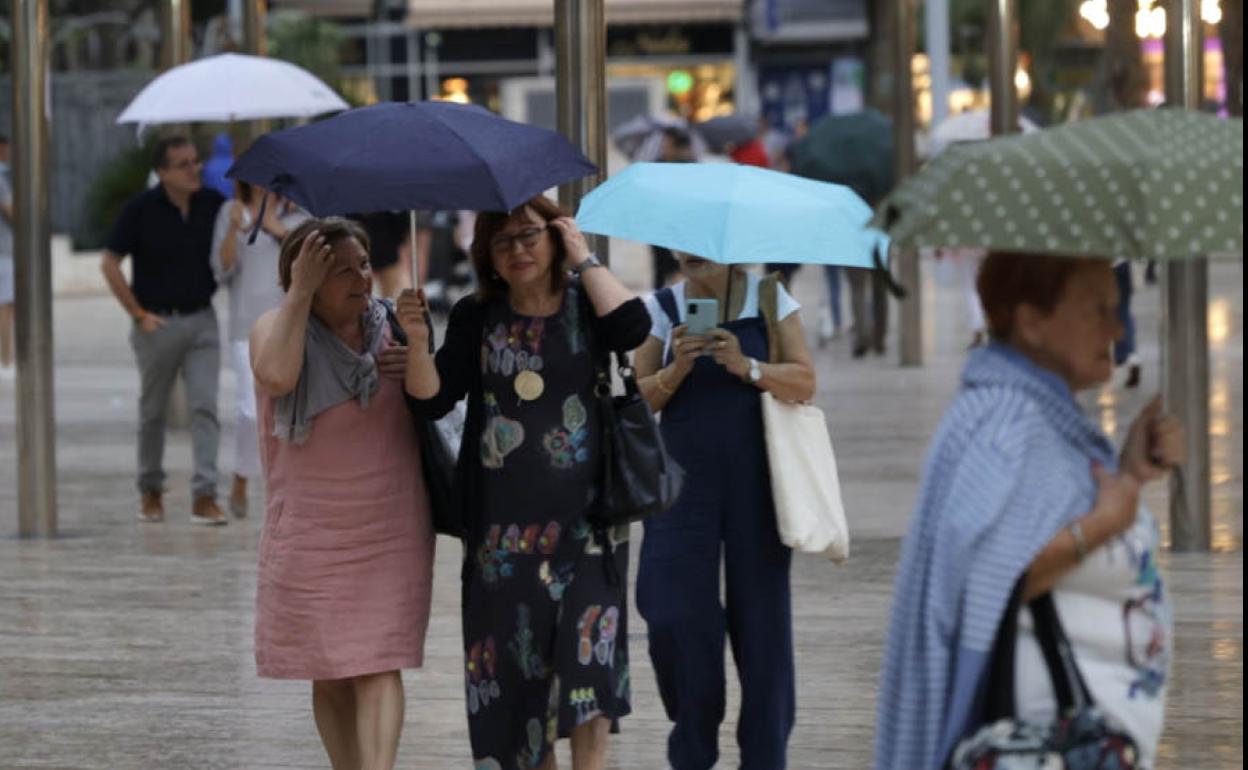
(544, 590)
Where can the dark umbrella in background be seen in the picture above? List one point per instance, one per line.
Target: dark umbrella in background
(399, 156)
(854, 150)
(727, 131)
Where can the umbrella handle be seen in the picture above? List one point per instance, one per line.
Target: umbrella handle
(897, 290)
(411, 239)
(255, 229)
(411, 234)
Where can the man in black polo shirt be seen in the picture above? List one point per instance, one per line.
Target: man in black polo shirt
(167, 232)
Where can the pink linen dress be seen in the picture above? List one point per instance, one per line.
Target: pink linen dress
(346, 557)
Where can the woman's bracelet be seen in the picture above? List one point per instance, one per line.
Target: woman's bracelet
(658, 380)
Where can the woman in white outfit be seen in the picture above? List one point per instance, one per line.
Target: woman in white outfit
(249, 270)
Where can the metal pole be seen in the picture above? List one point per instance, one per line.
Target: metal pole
(255, 15)
(911, 334)
(432, 86)
(936, 33)
(1002, 63)
(175, 32)
(1186, 300)
(36, 424)
(580, 93)
(256, 43)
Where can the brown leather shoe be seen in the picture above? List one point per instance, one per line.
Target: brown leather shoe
(238, 498)
(205, 511)
(151, 508)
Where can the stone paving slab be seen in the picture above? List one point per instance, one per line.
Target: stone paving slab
(129, 646)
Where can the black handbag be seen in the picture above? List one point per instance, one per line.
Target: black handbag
(1082, 737)
(639, 477)
(438, 458)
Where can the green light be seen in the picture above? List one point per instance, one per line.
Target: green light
(679, 82)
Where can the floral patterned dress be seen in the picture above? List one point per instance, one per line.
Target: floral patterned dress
(544, 602)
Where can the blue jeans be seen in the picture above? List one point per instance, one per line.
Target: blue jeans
(1125, 347)
(832, 276)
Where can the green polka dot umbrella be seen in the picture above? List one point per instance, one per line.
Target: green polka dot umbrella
(1150, 184)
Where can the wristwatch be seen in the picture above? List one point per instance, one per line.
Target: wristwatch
(590, 261)
(756, 372)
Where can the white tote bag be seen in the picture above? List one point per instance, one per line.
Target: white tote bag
(804, 481)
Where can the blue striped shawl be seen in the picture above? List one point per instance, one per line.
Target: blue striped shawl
(1010, 466)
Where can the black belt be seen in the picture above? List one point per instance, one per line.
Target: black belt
(176, 310)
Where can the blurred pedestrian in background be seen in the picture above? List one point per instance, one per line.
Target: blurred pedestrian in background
(964, 265)
(167, 231)
(7, 363)
(247, 270)
(677, 147)
(346, 558)
(1020, 485)
(1124, 349)
(706, 386)
(389, 233)
(545, 595)
(218, 163)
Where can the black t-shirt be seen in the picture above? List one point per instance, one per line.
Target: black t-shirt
(172, 268)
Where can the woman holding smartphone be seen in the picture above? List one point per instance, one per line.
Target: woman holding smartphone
(705, 379)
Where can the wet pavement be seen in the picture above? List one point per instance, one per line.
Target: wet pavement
(125, 645)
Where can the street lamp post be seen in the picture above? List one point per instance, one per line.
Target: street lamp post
(175, 32)
(1186, 300)
(1002, 64)
(581, 94)
(911, 318)
(36, 426)
(255, 14)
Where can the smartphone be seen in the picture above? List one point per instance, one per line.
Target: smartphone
(701, 315)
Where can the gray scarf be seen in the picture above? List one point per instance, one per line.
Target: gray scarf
(332, 373)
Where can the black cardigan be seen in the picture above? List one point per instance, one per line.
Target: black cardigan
(459, 370)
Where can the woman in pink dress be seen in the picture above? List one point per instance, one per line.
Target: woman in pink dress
(346, 559)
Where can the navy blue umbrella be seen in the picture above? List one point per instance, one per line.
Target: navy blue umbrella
(396, 156)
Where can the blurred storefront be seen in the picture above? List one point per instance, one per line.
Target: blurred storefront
(811, 58)
(682, 56)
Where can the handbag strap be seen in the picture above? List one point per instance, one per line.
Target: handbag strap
(769, 309)
(1069, 688)
(1068, 684)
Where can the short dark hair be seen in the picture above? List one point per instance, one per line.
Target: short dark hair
(489, 285)
(160, 152)
(1009, 279)
(333, 228)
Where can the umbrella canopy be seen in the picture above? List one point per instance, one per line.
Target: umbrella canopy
(725, 130)
(733, 214)
(969, 126)
(641, 137)
(232, 87)
(396, 156)
(1149, 184)
(855, 150)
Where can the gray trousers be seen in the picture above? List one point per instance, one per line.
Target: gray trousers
(189, 344)
(870, 313)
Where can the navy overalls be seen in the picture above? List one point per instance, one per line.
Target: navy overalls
(713, 427)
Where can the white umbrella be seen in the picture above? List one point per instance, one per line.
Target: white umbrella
(969, 126)
(641, 138)
(232, 87)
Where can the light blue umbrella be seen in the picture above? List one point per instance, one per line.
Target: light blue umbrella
(735, 214)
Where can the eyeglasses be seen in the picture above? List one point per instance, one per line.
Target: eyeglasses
(527, 238)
